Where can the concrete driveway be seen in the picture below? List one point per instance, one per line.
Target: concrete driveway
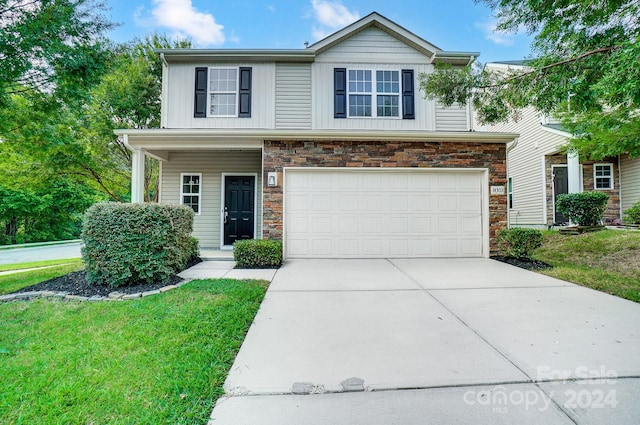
(438, 341)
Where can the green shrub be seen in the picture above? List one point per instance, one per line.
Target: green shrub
(519, 242)
(632, 215)
(126, 244)
(257, 253)
(583, 209)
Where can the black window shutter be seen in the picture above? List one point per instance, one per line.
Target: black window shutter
(408, 96)
(244, 105)
(340, 93)
(200, 97)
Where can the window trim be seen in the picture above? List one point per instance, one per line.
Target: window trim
(236, 92)
(182, 175)
(596, 177)
(374, 94)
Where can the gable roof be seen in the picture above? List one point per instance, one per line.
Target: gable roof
(374, 19)
(432, 52)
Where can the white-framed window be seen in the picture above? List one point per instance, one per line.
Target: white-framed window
(191, 191)
(369, 97)
(510, 192)
(223, 92)
(603, 176)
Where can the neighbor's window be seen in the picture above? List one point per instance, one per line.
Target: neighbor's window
(190, 191)
(510, 192)
(223, 91)
(379, 98)
(603, 176)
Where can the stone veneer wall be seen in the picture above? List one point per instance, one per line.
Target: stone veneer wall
(281, 154)
(613, 206)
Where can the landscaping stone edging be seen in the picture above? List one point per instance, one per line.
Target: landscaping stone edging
(113, 296)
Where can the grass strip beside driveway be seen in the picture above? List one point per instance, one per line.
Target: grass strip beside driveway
(158, 360)
(608, 261)
(34, 264)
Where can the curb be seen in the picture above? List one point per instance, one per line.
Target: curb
(37, 244)
(113, 296)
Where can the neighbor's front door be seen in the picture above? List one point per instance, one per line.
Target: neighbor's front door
(560, 186)
(238, 215)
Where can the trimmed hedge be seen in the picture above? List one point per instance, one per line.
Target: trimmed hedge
(632, 215)
(257, 253)
(519, 242)
(126, 244)
(583, 209)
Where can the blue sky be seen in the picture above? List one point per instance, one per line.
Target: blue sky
(455, 25)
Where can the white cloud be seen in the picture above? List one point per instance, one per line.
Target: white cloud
(184, 20)
(494, 35)
(330, 16)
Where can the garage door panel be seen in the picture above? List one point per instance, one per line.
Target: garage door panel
(382, 213)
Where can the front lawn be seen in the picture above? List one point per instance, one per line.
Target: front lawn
(608, 260)
(156, 360)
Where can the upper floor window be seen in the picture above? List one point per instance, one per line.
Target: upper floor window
(373, 93)
(379, 98)
(190, 191)
(223, 89)
(222, 92)
(603, 176)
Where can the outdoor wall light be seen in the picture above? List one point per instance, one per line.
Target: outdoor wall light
(272, 179)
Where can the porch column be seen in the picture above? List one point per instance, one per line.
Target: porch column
(573, 172)
(137, 175)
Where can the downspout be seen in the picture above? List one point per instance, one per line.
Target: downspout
(165, 90)
(510, 147)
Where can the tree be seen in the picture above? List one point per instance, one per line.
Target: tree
(584, 68)
(49, 45)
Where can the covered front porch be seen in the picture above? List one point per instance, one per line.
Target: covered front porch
(218, 175)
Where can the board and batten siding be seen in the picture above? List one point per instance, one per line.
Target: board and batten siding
(293, 96)
(179, 98)
(452, 118)
(323, 100)
(629, 181)
(525, 165)
(372, 45)
(211, 164)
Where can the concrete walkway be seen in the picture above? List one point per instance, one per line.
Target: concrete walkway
(225, 269)
(437, 341)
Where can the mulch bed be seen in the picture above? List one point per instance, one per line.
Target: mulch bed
(75, 283)
(523, 263)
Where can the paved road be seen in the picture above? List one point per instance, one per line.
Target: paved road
(39, 253)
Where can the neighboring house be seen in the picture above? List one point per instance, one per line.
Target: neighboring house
(538, 172)
(330, 148)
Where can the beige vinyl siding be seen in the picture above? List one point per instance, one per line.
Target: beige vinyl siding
(179, 98)
(525, 165)
(323, 100)
(453, 118)
(372, 45)
(629, 181)
(293, 96)
(211, 164)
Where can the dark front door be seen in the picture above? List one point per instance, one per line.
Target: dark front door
(239, 194)
(560, 186)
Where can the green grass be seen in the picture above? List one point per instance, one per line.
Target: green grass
(32, 264)
(15, 281)
(157, 360)
(608, 260)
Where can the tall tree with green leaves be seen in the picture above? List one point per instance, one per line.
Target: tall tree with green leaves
(584, 68)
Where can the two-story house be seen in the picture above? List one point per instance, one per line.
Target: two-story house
(330, 148)
(539, 170)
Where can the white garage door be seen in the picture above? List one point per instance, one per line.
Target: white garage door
(339, 213)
